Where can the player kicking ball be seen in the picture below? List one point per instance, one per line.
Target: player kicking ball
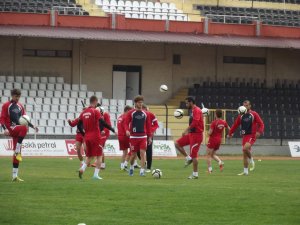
(252, 127)
(215, 138)
(192, 136)
(9, 120)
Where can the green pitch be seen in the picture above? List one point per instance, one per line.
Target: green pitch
(53, 194)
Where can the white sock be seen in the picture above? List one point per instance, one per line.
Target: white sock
(135, 163)
(188, 158)
(122, 166)
(81, 162)
(132, 167)
(142, 170)
(15, 172)
(96, 173)
(220, 163)
(251, 161)
(125, 163)
(246, 170)
(210, 169)
(195, 174)
(83, 166)
(18, 148)
(102, 165)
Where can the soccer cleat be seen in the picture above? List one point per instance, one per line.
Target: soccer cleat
(210, 172)
(124, 169)
(17, 179)
(242, 174)
(252, 166)
(148, 171)
(80, 173)
(18, 157)
(93, 165)
(193, 177)
(96, 178)
(187, 163)
(131, 172)
(142, 174)
(137, 166)
(221, 166)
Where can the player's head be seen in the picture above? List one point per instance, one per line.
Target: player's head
(219, 113)
(15, 95)
(145, 107)
(93, 101)
(247, 104)
(189, 102)
(138, 101)
(127, 108)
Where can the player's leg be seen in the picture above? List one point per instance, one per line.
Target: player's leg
(208, 159)
(97, 168)
(179, 144)
(149, 153)
(138, 156)
(246, 152)
(78, 146)
(143, 161)
(123, 158)
(132, 158)
(217, 158)
(18, 134)
(103, 161)
(195, 142)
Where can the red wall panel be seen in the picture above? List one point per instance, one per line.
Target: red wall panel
(232, 29)
(186, 27)
(278, 31)
(31, 19)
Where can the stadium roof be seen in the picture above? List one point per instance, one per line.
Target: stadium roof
(151, 37)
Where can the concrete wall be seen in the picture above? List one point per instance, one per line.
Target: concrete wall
(94, 60)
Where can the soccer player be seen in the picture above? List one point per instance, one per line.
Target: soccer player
(138, 129)
(215, 138)
(90, 118)
(9, 120)
(154, 126)
(123, 138)
(192, 136)
(252, 127)
(79, 138)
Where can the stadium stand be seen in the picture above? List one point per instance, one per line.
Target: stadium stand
(279, 107)
(143, 9)
(64, 7)
(49, 101)
(278, 1)
(243, 15)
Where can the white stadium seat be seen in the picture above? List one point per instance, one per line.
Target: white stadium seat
(51, 87)
(128, 4)
(19, 79)
(157, 5)
(30, 100)
(105, 3)
(29, 108)
(42, 130)
(135, 16)
(51, 123)
(83, 87)
(3, 79)
(52, 80)
(67, 130)
(66, 94)
(35, 80)
(90, 93)
(62, 116)
(67, 87)
(150, 5)
(75, 87)
(150, 17)
(58, 130)
(32, 93)
(63, 101)
(47, 101)
(71, 116)
(164, 17)
(41, 93)
(27, 79)
(60, 123)
(72, 101)
(46, 108)
(42, 86)
(38, 100)
(157, 17)
(98, 2)
(49, 130)
(42, 123)
(53, 115)
(57, 94)
(44, 79)
(74, 94)
(49, 94)
(129, 102)
(82, 94)
(63, 108)
(105, 101)
(60, 80)
(37, 108)
(71, 108)
(10, 79)
(165, 5)
(55, 101)
(23, 92)
(172, 18)
(6, 93)
(54, 108)
(9, 85)
(113, 3)
(26, 86)
(17, 85)
(34, 86)
(45, 115)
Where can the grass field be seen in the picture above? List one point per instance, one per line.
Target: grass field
(53, 194)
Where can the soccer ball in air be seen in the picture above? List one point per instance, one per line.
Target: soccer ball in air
(178, 113)
(157, 173)
(24, 120)
(205, 111)
(163, 88)
(242, 110)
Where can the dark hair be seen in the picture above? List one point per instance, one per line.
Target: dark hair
(127, 108)
(15, 92)
(247, 101)
(190, 99)
(219, 113)
(139, 98)
(93, 99)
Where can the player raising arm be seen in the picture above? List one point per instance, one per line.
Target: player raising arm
(252, 127)
(215, 138)
(9, 120)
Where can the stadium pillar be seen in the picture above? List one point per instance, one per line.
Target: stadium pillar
(167, 25)
(206, 24)
(258, 27)
(113, 21)
(53, 17)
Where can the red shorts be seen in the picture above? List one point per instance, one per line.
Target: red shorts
(249, 138)
(136, 144)
(123, 142)
(16, 132)
(192, 139)
(79, 138)
(214, 143)
(93, 147)
(103, 141)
